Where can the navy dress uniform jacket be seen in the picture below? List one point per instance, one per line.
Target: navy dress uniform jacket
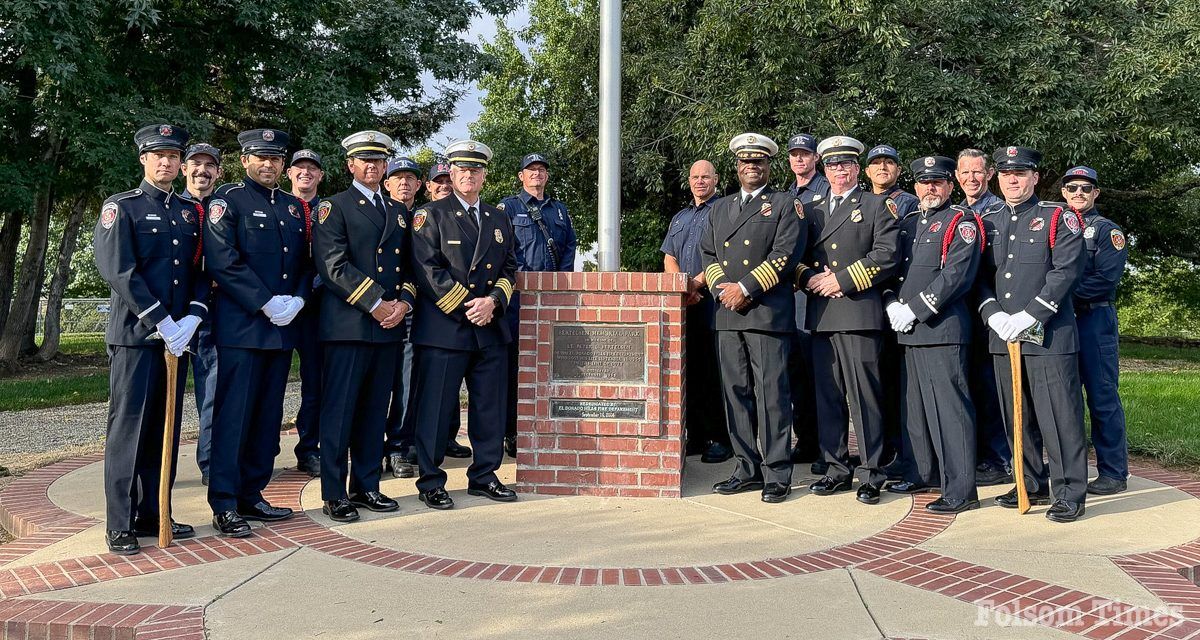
(362, 257)
(1022, 272)
(936, 282)
(756, 245)
(256, 246)
(857, 241)
(145, 243)
(452, 264)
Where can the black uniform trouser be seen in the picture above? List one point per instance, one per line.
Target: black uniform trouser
(992, 444)
(137, 387)
(804, 397)
(758, 404)
(358, 385)
(846, 369)
(1053, 414)
(439, 375)
(939, 420)
(513, 361)
(401, 425)
(891, 362)
(704, 413)
(246, 419)
(308, 418)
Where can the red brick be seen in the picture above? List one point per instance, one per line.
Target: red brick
(631, 461)
(617, 478)
(578, 443)
(659, 479)
(618, 444)
(545, 459)
(575, 476)
(598, 460)
(534, 476)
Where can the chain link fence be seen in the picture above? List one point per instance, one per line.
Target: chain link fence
(79, 315)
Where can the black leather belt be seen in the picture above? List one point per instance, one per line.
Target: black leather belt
(1088, 306)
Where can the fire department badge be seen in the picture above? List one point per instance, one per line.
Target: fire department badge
(929, 161)
(966, 231)
(323, 210)
(294, 211)
(1011, 151)
(765, 209)
(400, 221)
(216, 211)
(499, 237)
(1072, 221)
(165, 130)
(108, 215)
(1089, 233)
(799, 208)
(419, 220)
(1118, 239)
(268, 135)
(500, 206)
(935, 227)
(1037, 224)
(187, 215)
(856, 215)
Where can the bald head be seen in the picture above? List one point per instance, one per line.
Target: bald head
(702, 179)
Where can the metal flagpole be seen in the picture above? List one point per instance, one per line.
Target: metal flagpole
(609, 223)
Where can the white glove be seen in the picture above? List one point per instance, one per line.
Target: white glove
(997, 322)
(294, 305)
(168, 329)
(1016, 324)
(902, 317)
(276, 305)
(187, 328)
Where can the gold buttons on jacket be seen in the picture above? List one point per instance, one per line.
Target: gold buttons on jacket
(380, 269)
(379, 251)
(833, 246)
(489, 266)
(834, 263)
(747, 242)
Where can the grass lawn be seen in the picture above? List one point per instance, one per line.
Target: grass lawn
(1162, 415)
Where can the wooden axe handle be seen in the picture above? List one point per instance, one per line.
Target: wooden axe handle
(168, 448)
(1014, 364)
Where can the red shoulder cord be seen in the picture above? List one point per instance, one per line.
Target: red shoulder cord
(948, 237)
(200, 240)
(307, 225)
(1054, 223)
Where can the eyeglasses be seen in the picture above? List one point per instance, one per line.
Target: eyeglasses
(843, 165)
(1085, 188)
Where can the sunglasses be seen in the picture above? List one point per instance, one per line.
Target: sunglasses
(1085, 188)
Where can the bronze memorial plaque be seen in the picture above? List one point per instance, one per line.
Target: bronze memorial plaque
(598, 409)
(604, 352)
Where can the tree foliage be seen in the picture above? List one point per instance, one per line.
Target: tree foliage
(1108, 83)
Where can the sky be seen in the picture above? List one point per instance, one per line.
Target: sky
(482, 29)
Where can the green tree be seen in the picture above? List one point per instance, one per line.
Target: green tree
(1108, 83)
(77, 77)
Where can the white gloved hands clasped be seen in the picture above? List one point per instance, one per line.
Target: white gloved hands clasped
(901, 316)
(276, 306)
(1016, 324)
(293, 307)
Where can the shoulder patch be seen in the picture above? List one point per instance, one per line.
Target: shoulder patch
(108, 215)
(216, 210)
(1118, 239)
(323, 210)
(419, 219)
(892, 208)
(966, 231)
(799, 208)
(1072, 221)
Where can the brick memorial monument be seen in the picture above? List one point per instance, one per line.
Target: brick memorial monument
(600, 384)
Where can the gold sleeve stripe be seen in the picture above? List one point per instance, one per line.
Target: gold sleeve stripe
(358, 293)
(505, 285)
(859, 274)
(765, 275)
(411, 289)
(715, 273)
(449, 302)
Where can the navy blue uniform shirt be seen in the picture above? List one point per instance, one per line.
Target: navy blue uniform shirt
(532, 253)
(683, 236)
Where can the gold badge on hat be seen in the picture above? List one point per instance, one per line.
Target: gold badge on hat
(499, 237)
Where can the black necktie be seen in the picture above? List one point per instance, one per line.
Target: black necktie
(474, 213)
(379, 205)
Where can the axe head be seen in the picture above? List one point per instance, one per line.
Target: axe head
(1035, 334)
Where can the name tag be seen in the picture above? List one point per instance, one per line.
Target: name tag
(259, 214)
(454, 242)
(522, 215)
(153, 217)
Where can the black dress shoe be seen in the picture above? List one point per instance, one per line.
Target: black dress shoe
(399, 466)
(374, 501)
(867, 493)
(311, 465)
(230, 525)
(436, 499)
(736, 485)
(456, 450)
(775, 492)
(494, 490)
(819, 468)
(908, 488)
(340, 510)
(716, 452)
(1009, 500)
(122, 543)
(943, 505)
(150, 529)
(264, 512)
(1105, 486)
(828, 486)
(1065, 511)
(988, 475)
(510, 446)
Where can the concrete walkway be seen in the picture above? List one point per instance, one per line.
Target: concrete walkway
(582, 567)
